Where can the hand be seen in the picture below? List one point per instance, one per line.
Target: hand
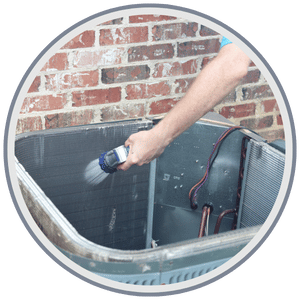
(144, 147)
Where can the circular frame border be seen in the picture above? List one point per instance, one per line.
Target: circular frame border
(195, 284)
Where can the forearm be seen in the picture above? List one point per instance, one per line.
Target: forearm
(214, 82)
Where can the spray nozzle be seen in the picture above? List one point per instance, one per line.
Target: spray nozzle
(109, 160)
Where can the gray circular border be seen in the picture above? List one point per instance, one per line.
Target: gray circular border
(183, 10)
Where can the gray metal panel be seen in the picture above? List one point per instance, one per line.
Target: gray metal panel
(172, 224)
(184, 274)
(279, 145)
(112, 214)
(145, 279)
(264, 167)
(180, 167)
(168, 264)
(169, 277)
(151, 195)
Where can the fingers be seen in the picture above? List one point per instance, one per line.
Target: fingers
(139, 144)
(129, 161)
(132, 159)
(124, 166)
(127, 142)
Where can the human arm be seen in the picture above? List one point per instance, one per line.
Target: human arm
(213, 83)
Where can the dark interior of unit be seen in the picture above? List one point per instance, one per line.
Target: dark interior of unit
(115, 213)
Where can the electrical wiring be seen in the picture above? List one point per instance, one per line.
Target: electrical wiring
(197, 186)
(207, 223)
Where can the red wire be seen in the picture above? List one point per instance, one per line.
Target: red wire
(223, 136)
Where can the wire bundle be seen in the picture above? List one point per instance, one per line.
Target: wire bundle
(197, 186)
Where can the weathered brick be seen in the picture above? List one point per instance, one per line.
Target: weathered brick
(83, 40)
(251, 77)
(206, 61)
(125, 74)
(29, 124)
(103, 57)
(122, 112)
(43, 103)
(175, 68)
(94, 97)
(269, 106)
(149, 18)
(69, 119)
(152, 52)
(238, 111)
(162, 106)
(58, 62)
(279, 120)
(231, 97)
(257, 123)
(174, 31)
(205, 31)
(257, 92)
(183, 84)
(116, 36)
(272, 135)
(147, 90)
(62, 81)
(35, 85)
(113, 22)
(198, 47)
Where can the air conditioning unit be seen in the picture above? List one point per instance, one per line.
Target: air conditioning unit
(138, 226)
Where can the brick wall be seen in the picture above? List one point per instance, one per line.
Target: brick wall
(138, 66)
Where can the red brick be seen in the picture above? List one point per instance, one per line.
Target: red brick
(69, 119)
(269, 106)
(272, 135)
(29, 124)
(147, 90)
(58, 62)
(183, 84)
(205, 31)
(231, 97)
(116, 36)
(103, 57)
(83, 40)
(238, 111)
(174, 31)
(279, 120)
(141, 53)
(175, 68)
(149, 18)
(113, 22)
(257, 92)
(252, 77)
(43, 103)
(125, 74)
(122, 112)
(62, 81)
(257, 123)
(94, 97)
(206, 61)
(35, 85)
(161, 106)
(198, 47)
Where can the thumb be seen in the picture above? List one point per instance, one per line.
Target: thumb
(127, 143)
